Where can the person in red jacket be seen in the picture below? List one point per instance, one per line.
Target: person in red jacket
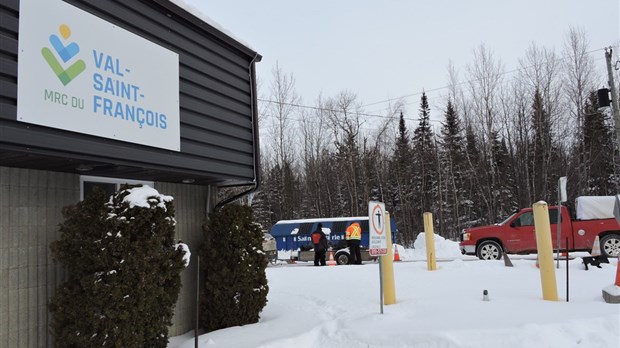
(353, 236)
(320, 245)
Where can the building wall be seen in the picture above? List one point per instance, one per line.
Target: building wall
(31, 203)
(216, 96)
(218, 147)
(190, 204)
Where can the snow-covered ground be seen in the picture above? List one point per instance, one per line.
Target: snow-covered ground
(339, 306)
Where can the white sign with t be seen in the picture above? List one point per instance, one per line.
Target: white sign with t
(377, 229)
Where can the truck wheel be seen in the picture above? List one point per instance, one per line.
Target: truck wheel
(489, 250)
(342, 258)
(610, 245)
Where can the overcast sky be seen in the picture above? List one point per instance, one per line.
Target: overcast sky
(384, 49)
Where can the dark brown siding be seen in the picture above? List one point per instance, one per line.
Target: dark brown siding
(218, 135)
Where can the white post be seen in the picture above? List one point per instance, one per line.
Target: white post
(561, 198)
(614, 94)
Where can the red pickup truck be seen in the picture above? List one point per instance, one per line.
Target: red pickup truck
(515, 235)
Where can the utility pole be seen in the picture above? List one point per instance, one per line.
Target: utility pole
(614, 95)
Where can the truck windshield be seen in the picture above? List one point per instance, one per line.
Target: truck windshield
(508, 218)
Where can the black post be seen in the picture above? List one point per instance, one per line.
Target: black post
(381, 283)
(566, 269)
(197, 302)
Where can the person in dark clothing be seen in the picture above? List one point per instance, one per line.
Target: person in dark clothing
(320, 245)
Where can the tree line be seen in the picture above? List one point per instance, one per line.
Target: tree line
(496, 143)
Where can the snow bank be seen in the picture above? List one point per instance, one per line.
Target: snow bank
(334, 307)
(444, 249)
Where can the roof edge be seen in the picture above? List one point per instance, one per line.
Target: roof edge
(196, 17)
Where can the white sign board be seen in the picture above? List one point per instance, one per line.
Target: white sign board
(80, 73)
(562, 189)
(377, 229)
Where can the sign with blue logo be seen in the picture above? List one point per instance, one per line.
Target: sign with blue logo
(80, 73)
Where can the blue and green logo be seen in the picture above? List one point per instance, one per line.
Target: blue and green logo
(66, 51)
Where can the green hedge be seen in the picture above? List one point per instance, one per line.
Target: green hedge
(233, 262)
(123, 272)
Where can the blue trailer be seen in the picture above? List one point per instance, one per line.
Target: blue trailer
(295, 234)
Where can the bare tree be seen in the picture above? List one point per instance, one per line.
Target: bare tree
(281, 175)
(515, 103)
(380, 140)
(281, 109)
(539, 71)
(484, 80)
(578, 82)
(315, 137)
(344, 113)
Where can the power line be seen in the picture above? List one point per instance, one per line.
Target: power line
(316, 108)
(467, 81)
(322, 109)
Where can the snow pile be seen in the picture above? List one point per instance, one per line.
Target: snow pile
(187, 256)
(444, 249)
(140, 197)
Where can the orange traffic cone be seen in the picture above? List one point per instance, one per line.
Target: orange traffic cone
(396, 254)
(596, 247)
(331, 261)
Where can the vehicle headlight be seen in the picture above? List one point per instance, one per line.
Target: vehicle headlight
(466, 236)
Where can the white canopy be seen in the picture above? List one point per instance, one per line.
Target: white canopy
(595, 207)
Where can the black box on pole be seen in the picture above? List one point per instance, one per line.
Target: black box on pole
(603, 97)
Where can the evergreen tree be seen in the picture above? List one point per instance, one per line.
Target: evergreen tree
(505, 189)
(520, 157)
(233, 262)
(452, 158)
(329, 177)
(290, 191)
(260, 202)
(400, 187)
(350, 185)
(280, 195)
(542, 151)
(599, 150)
(424, 160)
(371, 176)
(124, 271)
(271, 196)
(451, 134)
(474, 202)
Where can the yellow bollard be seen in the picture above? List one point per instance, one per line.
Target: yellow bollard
(387, 267)
(429, 235)
(545, 251)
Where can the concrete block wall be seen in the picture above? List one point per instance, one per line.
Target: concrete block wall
(31, 203)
